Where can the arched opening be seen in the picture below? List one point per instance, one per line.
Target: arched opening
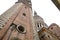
(38, 25)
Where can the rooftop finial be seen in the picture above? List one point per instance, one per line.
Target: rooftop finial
(35, 13)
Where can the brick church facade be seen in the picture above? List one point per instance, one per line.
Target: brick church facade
(18, 23)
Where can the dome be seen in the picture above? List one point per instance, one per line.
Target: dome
(39, 22)
(53, 24)
(37, 17)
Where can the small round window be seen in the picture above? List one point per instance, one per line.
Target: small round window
(52, 28)
(24, 14)
(20, 29)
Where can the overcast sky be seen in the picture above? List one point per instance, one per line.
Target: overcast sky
(45, 8)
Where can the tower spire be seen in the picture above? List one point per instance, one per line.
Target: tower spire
(27, 2)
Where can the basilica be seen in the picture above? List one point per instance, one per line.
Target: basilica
(18, 23)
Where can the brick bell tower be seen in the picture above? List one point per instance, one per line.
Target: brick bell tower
(16, 22)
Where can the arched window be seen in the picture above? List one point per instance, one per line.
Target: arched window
(38, 25)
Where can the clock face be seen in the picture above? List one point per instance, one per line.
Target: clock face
(57, 3)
